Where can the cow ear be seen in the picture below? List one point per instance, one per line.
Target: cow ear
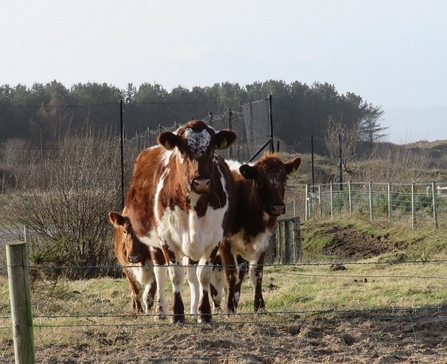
(167, 140)
(247, 171)
(225, 138)
(293, 165)
(116, 219)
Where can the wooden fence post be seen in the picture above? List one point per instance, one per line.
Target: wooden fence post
(287, 241)
(20, 297)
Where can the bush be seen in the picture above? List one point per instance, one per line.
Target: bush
(64, 198)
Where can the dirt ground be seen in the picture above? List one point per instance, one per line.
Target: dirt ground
(411, 337)
(386, 336)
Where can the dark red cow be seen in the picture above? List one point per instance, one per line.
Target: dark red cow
(260, 190)
(180, 200)
(133, 255)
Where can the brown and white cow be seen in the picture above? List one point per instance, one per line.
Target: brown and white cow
(135, 258)
(260, 190)
(179, 200)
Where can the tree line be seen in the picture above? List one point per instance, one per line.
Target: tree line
(44, 111)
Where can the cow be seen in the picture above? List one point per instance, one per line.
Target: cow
(136, 260)
(259, 190)
(180, 201)
(218, 283)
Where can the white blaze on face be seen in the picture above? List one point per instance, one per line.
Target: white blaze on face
(198, 142)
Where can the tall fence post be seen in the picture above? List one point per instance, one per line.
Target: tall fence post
(20, 297)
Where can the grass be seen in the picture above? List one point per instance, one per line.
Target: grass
(92, 319)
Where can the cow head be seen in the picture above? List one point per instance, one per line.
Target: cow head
(269, 175)
(134, 250)
(196, 142)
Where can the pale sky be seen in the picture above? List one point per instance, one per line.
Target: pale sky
(393, 53)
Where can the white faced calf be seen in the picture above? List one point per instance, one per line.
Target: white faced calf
(133, 255)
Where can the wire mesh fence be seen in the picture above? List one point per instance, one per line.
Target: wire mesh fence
(417, 204)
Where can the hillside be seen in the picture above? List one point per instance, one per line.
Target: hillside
(349, 239)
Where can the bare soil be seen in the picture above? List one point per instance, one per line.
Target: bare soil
(351, 243)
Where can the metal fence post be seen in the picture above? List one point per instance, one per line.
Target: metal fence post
(371, 208)
(306, 204)
(320, 202)
(435, 212)
(297, 240)
(413, 207)
(20, 297)
(390, 203)
(350, 196)
(331, 188)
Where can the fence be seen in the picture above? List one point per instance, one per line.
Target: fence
(90, 321)
(415, 203)
(285, 247)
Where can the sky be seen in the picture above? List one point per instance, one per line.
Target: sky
(392, 53)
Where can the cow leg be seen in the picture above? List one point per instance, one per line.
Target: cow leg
(204, 275)
(256, 272)
(217, 285)
(230, 272)
(177, 274)
(242, 270)
(149, 293)
(160, 273)
(135, 294)
(194, 286)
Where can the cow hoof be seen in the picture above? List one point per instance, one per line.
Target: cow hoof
(160, 316)
(204, 319)
(178, 319)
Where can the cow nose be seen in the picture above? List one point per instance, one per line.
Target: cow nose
(278, 210)
(133, 258)
(201, 185)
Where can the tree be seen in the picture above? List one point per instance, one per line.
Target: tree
(349, 140)
(370, 129)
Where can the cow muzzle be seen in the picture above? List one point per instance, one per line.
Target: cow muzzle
(276, 210)
(133, 259)
(201, 185)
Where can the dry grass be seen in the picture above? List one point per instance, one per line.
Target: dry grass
(314, 314)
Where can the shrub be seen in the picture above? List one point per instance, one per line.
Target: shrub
(64, 198)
